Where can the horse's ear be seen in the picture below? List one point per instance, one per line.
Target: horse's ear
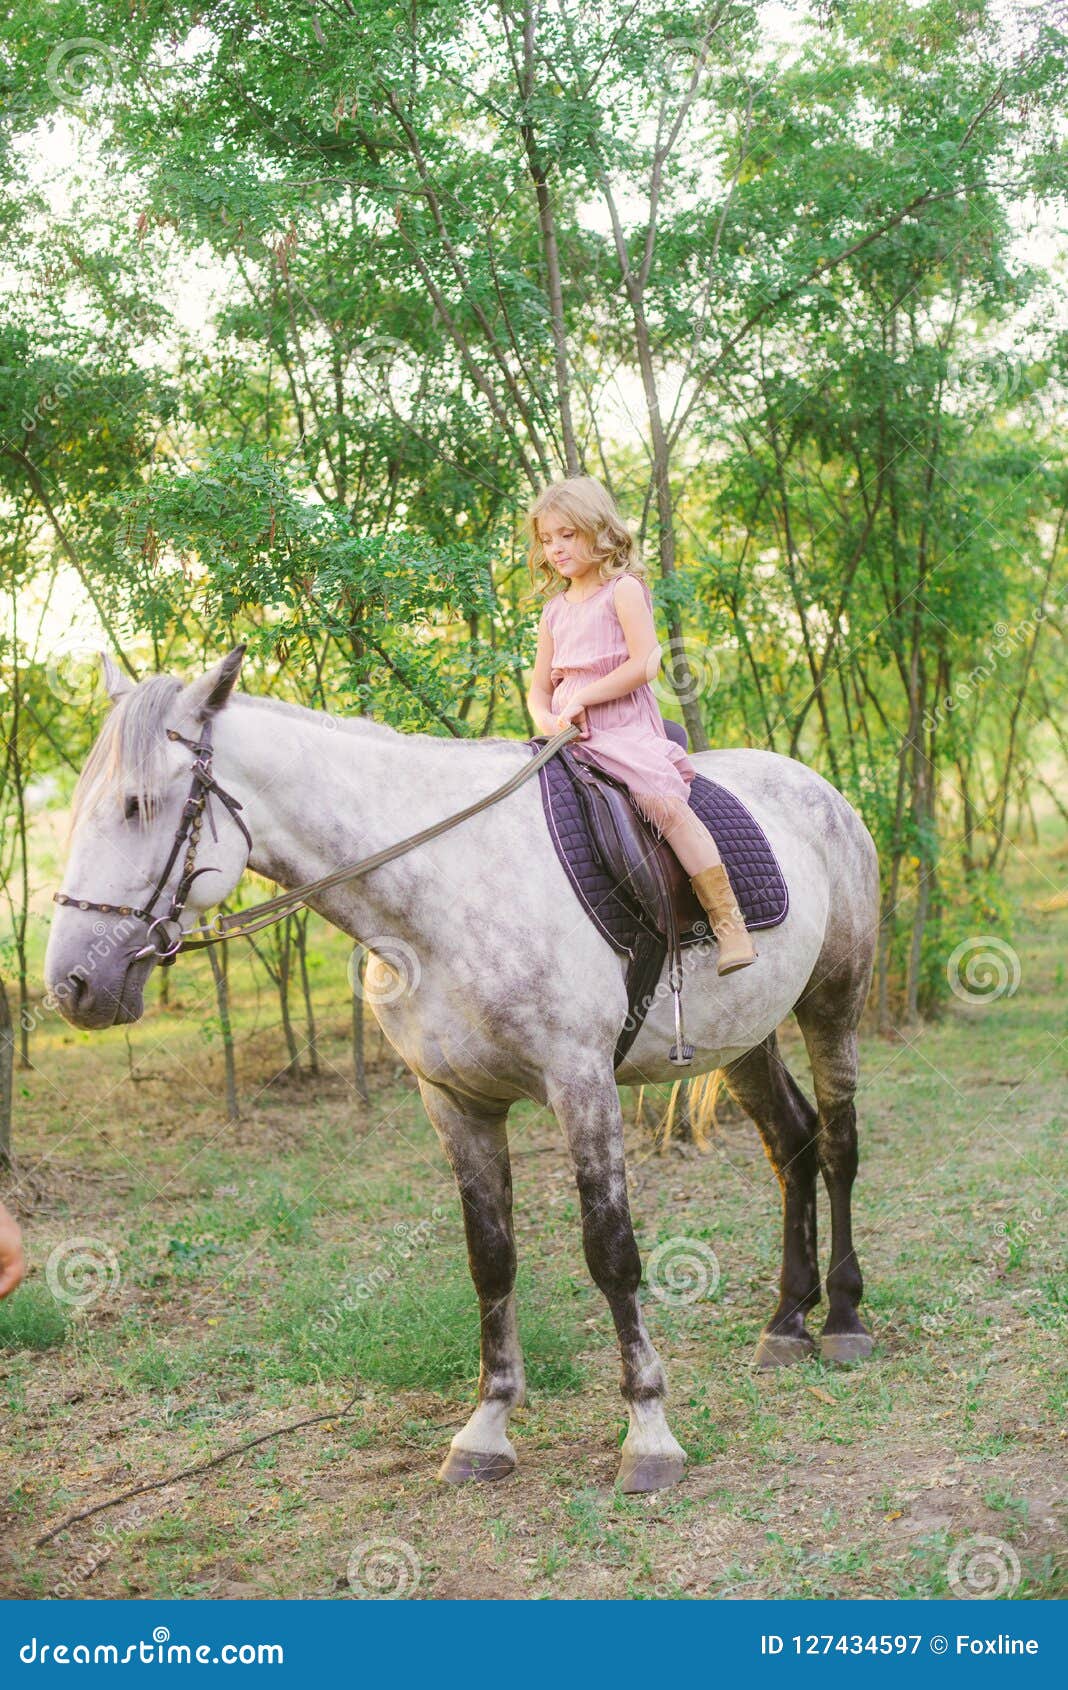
(212, 690)
(115, 682)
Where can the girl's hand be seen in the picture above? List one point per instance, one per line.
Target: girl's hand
(12, 1261)
(573, 713)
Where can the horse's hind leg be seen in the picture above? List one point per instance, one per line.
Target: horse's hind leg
(766, 1090)
(832, 1049)
(477, 1147)
(588, 1110)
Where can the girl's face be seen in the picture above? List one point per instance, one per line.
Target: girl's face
(563, 544)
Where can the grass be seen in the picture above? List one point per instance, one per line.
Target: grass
(32, 1320)
(269, 1269)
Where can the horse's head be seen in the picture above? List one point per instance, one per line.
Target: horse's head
(131, 806)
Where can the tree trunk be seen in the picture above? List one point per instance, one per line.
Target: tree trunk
(540, 168)
(300, 924)
(280, 972)
(359, 1054)
(923, 812)
(919, 922)
(222, 999)
(7, 1075)
(970, 819)
(284, 941)
(888, 912)
(20, 916)
(679, 670)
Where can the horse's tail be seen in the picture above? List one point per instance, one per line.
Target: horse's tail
(704, 1096)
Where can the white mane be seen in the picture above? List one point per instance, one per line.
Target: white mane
(127, 759)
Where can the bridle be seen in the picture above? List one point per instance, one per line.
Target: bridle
(165, 945)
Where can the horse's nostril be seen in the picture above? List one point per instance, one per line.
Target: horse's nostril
(75, 986)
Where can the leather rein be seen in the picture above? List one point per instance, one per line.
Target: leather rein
(166, 937)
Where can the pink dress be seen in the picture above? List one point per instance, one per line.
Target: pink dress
(626, 735)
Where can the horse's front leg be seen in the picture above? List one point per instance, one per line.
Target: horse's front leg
(588, 1110)
(476, 1144)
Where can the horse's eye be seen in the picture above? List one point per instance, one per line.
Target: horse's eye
(132, 809)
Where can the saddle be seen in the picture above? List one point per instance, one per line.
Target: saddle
(633, 886)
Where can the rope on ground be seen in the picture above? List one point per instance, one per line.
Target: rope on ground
(192, 1472)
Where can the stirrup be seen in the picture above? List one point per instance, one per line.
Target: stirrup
(681, 1054)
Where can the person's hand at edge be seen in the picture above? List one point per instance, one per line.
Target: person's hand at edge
(12, 1260)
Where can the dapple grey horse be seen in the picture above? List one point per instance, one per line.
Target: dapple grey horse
(492, 984)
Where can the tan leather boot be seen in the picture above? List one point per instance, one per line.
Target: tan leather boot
(716, 894)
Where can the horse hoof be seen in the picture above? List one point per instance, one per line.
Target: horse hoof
(460, 1465)
(846, 1346)
(650, 1472)
(779, 1349)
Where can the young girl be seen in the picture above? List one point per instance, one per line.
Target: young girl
(597, 653)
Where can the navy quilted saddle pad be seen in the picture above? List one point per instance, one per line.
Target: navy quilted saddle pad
(748, 857)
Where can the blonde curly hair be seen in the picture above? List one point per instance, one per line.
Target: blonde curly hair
(595, 516)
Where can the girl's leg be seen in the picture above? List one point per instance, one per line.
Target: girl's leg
(673, 820)
(690, 840)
